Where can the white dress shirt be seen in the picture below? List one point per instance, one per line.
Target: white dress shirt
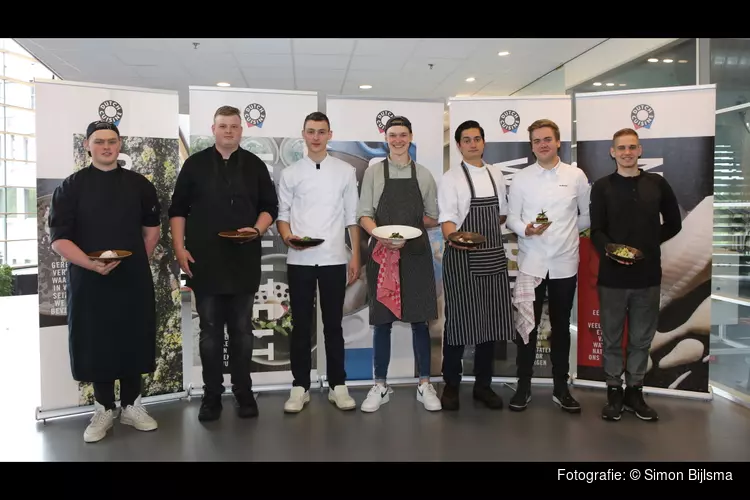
(454, 194)
(319, 203)
(563, 193)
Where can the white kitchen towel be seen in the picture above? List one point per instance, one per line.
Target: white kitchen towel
(523, 300)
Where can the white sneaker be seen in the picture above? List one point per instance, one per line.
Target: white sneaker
(137, 416)
(101, 422)
(427, 395)
(378, 395)
(298, 398)
(340, 397)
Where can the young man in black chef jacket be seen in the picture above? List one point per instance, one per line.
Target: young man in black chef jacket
(223, 188)
(625, 209)
(111, 306)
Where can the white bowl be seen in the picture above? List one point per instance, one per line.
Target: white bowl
(408, 232)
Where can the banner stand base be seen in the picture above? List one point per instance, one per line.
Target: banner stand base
(675, 393)
(45, 415)
(509, 381)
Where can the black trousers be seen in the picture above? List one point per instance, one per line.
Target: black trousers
(302, 285)
(130, 389)
(483, 357)
(234, 311)
(561, 296)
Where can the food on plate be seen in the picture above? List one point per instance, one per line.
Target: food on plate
(396, 236)
(624, 253)
(541, 217)
(109, 254)
(462, 239)
(306, 238)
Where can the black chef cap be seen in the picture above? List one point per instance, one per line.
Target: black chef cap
(398, 121)
(101, 125)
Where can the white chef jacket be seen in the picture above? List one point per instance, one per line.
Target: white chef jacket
(319, 203)
(454, 194)
(563, 193)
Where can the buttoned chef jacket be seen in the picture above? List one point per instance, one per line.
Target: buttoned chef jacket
(319, 203)
(563, 193)
(454, 193)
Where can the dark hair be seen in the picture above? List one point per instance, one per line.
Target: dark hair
(316, 116)
(398, 121)
(623, 132)
(468, 124)
(101, 125)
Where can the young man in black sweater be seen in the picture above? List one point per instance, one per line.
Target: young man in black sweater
(625, 209)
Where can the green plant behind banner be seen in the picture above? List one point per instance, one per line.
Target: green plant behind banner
(6, 280)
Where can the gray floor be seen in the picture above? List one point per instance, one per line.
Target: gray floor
(401, 431)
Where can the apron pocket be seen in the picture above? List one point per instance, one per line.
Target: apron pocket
(487, 261)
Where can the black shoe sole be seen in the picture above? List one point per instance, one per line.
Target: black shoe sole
(517, 407)
(645, 419)
(611, 419)
(569, 409)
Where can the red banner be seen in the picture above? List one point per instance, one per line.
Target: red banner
(589, 326)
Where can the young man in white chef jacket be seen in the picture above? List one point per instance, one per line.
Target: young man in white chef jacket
(318, 199)
(547, 257)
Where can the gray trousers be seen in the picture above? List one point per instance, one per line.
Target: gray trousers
(641, 308)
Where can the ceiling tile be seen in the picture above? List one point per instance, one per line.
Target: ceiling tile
(260, 82)
(456, 48)
(144, 57)
(252, 71)
(261, 45)
(322, 62)
(205, 44)
(386, 47)
(377, 63)
(323, 46)
(264, 60)
(332, 74)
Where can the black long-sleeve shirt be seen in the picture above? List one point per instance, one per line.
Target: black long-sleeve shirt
(626, 210)
(216, 195)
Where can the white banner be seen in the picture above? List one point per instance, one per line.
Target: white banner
(358, 139)
(505, 121)
(676, 127)
(148, 124)
(272, 129)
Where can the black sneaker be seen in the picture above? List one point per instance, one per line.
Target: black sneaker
(613, 409)
(486, 395)
(210, 408)
(562, 397)
(449, 398)
(633, 402)
(247, 407)
(522, 397)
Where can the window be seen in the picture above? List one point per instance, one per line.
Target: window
(730, 71)
(18, 231)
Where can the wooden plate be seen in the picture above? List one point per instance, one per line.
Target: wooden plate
(470, 240)
(237, 235)
(121, 254)
(611, 248)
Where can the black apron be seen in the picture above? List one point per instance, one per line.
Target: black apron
(111, 319)
(401, 204)
(223, 203)
(478, 304)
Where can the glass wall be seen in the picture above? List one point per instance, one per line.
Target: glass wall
(18, 232)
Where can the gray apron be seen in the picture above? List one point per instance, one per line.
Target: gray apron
(478, 304)
(401, 204)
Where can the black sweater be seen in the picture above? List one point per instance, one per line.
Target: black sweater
(625, 210)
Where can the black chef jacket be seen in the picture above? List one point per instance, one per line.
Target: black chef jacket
(215, 195)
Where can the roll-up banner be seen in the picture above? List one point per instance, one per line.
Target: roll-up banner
(505, 121)
(148, 124)
(676, 127)
(359, 139)
(272, 123)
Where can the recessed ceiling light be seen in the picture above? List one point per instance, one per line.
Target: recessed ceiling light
(653, 59)
(682, 61)
(622, 84)
(503, 53)
(610, 84)
(667, 60)
(223, 84)
(597, 84)
(470, 79)
(365, 87)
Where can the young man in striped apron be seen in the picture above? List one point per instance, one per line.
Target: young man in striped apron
(478, 309)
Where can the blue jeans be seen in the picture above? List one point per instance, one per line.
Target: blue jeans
(382, 349)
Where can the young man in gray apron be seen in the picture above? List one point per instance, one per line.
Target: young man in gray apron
(478, 307)
(398, 191)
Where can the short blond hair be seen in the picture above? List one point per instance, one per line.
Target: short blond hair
(544, 123)
(227, 111)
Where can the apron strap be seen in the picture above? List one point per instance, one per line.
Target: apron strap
(468, 179)
(386, 169)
